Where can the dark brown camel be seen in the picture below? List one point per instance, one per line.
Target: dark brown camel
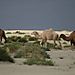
(70, 38)
(2, 35)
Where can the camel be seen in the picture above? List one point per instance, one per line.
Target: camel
(70, 38)
(48, 34)
(2, 35)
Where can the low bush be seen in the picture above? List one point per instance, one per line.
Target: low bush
(31, 50)
(23, 39)
(37, 42)
(34, 55)
(18, 32)
(16, 39)
(4, 56)
(12, 47)
(13, 39)
(39, 62)
(8, 33)
(52, 46)
(32, 39)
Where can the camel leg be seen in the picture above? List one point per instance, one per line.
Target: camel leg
(55, 43)
(60, 44)
(71, 42)
(44, 43)
(0, 40)
(4, 37)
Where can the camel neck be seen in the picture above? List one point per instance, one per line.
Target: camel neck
(66, 38)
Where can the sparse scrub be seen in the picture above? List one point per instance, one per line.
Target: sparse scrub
(16, 39)
(23, 39)
(13, 39)
(37, 42)
(32, 39)
(18, 32)
(34, 55)
(64, 43)
(8, 33)
(39, 62)
(4, 56)
(12, 47)
(51, 46)
(32, 50)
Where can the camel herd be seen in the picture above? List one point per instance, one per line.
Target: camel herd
(48, 34)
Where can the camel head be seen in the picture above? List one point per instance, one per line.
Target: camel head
(36, 34)
(62, 36)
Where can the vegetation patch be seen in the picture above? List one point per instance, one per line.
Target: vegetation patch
(8, 33)
(16, 39)
(34, 55)
(32, 39)
(52, 46)
(4, 56)
(38, 62)
(12, 47)
(18, 32)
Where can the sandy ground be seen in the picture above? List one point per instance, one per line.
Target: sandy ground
(13, 69)
(64, 66)
(64, 61)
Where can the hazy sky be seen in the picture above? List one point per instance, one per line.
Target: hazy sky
(37, 14)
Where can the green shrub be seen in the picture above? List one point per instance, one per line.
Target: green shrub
(32, 39)
(31, 51)
(49, 45)
(13, 39)
(8, 33)
(37, 42)
(64, 43)
(16, 39)
(12, 47)
(27, 36)
(4, 56)
(23, 39)
(18, 32)
(39, 62)
(52, 46)
(34, 55)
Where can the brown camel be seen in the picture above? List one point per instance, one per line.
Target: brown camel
(70, 38)
(48, 34)
(2, 35)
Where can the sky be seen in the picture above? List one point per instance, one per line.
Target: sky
(37, 14)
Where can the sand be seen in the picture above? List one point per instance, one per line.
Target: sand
(13, 69)
(65, 66)
(64, 61)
